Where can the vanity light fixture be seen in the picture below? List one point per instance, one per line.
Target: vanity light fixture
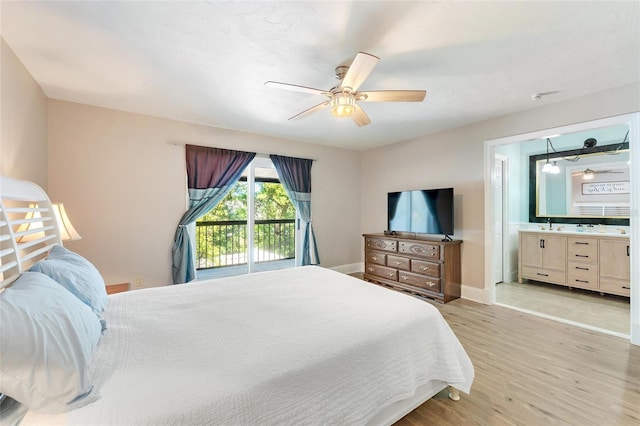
(548, 167)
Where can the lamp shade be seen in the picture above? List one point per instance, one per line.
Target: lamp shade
(343, 105)
(67, 231)
(32, 229)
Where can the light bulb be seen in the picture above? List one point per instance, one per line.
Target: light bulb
(343, 105)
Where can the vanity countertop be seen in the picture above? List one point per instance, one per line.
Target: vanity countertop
(595, 232)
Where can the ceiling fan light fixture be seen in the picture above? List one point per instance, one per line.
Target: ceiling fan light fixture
(343, 105)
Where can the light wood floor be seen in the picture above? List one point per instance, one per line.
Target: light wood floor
(534, 371)
(608, 312)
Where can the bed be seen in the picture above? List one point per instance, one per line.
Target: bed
(304, 345)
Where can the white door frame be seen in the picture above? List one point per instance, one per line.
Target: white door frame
(504, 214)
(633, 121)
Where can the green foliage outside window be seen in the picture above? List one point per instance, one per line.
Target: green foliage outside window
(227, 244)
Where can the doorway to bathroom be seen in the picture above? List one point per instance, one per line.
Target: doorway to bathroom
(507, 211)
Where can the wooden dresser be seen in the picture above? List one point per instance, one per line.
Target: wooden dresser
(425, 267)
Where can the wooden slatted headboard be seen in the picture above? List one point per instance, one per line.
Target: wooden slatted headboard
(28, 227)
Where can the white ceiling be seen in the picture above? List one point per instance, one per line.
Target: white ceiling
(206, 62)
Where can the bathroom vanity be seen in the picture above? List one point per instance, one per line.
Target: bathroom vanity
(592, 261)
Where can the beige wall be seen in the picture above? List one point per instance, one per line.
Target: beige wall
(455, 158)
(123, 185)
(23, 122)
(124, 188)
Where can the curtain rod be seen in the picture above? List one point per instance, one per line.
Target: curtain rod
(258, 154)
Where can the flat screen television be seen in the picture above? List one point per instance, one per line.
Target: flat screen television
(428, 211)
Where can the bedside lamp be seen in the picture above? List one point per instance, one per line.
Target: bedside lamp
(67, 231)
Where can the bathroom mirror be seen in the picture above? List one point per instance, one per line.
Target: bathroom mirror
(588, 185)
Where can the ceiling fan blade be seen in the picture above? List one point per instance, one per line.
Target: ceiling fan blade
(394, 96)
(310, 110)
(360, 117)
(359, 70)
(296, 88)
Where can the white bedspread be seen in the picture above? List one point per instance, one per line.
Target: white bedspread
(292, 347)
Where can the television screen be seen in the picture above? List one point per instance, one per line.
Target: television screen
(428, 211)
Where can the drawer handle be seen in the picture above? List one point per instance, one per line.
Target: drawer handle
(584, 269)
(543, 275)
(582, 281)
(430, 283)
(404, 277)
(391, 274)
(370, 269)
(374, 257)
(397, 263)
(582, 255)
(584, 244)
(626, 288)
(424, 268)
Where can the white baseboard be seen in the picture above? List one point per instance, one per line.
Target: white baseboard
(635, 333)
(349, 268)
(475, 294)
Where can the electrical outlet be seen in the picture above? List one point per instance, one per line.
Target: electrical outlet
(139, 282)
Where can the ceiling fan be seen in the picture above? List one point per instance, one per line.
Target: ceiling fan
(589, 174)
(344, 98)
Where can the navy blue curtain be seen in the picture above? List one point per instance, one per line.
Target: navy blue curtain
(295, 175)
(211, 173)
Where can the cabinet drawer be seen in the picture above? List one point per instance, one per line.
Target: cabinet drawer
(381, 244)
(583, 275)
(425, 268)
(398, 262)
(546, 275)
(376, 258)
(429, 283)
(420, 249)
(582, 249)
(623, 288)
(382, 272)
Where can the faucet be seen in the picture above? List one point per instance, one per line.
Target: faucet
(550, 225)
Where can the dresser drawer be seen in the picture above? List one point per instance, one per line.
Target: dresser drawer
(583, 275)
(431, 251)
(429, 283)
(425, 268)
(398, 262)
(381, 271)
(382, 244)
(582, 249)
(375, 257)
(623, 288)
(546, 275)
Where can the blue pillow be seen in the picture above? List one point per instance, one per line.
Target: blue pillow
(77, 275)
(47, 338)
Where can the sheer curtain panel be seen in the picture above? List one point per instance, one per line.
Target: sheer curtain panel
(211, 173)
(295, 175)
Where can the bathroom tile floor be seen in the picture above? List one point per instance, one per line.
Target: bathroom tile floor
(587, 307)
